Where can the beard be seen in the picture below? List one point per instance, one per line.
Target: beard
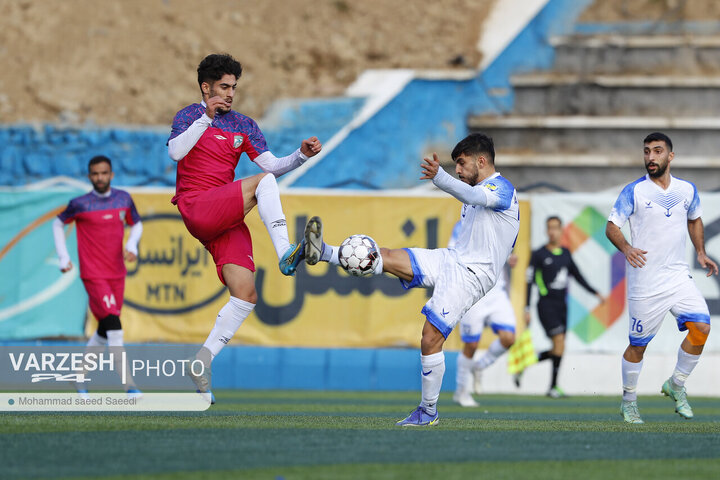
(101, 187)
(659, 171)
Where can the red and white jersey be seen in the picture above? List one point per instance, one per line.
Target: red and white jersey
(212, 161)
(100, 229)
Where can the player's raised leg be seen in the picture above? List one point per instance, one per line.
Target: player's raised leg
(262, 190)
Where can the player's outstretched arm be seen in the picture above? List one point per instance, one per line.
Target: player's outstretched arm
(60, 246)
(462, 191)
(634, 256)
(697, 236)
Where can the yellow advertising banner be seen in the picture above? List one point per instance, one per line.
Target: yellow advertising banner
(172, 293)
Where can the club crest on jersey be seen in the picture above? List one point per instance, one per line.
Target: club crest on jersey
(491, 186)
(237, 141)
(686, 204)
(122, 215)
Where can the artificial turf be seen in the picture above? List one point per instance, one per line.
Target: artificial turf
(329, 435)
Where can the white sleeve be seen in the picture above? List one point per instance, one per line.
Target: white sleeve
(461, 190)
(60, 245)
(179, 146)
(269, 163)
(135, 233)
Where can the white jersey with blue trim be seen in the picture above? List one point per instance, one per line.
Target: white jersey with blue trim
(487, 234)
(501, 286)
(658, 224)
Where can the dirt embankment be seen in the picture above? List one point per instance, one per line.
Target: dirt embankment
(134, 61)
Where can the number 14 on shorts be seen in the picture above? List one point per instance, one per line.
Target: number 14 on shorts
(636, 326)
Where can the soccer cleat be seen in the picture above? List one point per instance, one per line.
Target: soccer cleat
(464, 399)
(291, 258)
(82, 392)
(556, 392)
(630, 412)
(134, 393)
(419, 418)
(682, 406)
(207, 395)
(313, 241)
(202, 381)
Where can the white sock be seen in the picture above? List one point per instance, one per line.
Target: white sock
(330, 254)
(115, 345)
(271, 213)
(379, 270)
(228, 320)
(630, 375)
(685, 364)
(97, 341)
(464, 377)
(433, 369)
(115, 338)
(493, 353)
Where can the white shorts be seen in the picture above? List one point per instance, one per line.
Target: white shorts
(494, 310)
(685, 302)
(456, 287)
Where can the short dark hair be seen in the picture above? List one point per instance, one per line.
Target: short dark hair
(475, 144)
(99, 159)
(214, 66)
(659, 137)
(553, 217)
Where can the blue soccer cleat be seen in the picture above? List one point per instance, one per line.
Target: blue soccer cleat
(291, 258)
(419, 418)
(134, 393)
(208, 395)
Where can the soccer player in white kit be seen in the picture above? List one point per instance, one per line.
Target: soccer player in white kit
(490, 218)
(660, 208)
(495, 311)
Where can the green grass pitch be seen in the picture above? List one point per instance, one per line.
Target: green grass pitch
(339, 435)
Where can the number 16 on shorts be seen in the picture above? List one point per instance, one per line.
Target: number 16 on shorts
(636, 326)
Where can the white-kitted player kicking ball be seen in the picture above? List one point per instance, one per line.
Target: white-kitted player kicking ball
(461, 275)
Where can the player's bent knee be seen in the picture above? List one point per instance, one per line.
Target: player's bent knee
(111, 322)
(697, 333)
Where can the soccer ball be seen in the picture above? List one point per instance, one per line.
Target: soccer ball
(359, 255)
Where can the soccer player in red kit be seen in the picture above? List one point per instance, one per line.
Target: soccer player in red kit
(207, 140)
(100, 217)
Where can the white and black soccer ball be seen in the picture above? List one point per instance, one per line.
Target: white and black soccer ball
(359, 255)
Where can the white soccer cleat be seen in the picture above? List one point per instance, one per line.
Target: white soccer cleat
(630, 412)
(465, 399)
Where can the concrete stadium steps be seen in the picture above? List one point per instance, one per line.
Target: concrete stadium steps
(647, 54)
(562, 135)
(606, 94)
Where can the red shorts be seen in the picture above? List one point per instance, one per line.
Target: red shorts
(216, 217)
(105, 295)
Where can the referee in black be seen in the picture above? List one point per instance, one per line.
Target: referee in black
(550, 269)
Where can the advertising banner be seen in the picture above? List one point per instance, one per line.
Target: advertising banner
(603, 327)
